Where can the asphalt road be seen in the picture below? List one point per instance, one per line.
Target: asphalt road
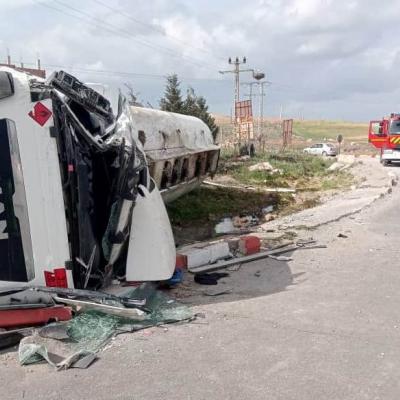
(323, 326)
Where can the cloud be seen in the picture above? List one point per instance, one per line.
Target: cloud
(330, 57)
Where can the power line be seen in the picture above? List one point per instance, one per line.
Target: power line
(236, 71)
(121, 73)
(113, 29)
(152, 27)
(118, 31)
(134, 74)
(107, 72)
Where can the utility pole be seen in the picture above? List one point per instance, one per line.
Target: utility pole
(250, 85)
(251, 93)
(236, 71)
(261, 96)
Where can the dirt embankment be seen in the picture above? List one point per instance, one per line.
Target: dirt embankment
(264, 188)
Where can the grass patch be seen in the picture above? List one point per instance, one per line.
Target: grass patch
(195, 214)
(309, 129)
(295, 170)
(211, 204)
(337, 180)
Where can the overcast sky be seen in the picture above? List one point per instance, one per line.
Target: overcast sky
(325, 59)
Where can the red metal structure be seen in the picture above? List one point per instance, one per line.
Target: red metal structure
(244, 121)
(385, 135)
(34, 316)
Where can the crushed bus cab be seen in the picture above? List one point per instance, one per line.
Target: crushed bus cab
(78, 202)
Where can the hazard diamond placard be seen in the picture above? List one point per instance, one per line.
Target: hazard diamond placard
(40, 113)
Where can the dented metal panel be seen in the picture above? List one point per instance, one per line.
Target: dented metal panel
(151, 253)
(167, 130)
(180, 150)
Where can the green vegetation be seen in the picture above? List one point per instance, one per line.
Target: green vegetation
(337, 180)
(172, 100)
(193, 104)
(295, 170)
(319, 130)
(196, 213)
(211, 204)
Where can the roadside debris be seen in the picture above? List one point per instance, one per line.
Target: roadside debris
(245, 221)
(281, 258)
(33, 316)
(239, 224)
(207, 254)
(264, 166)
(251, 188)
(54, 331)
(9, 338)
(301, 244)
(225, 226)
(249, 245)
(267, 210)
(338, 166)
(214, 293)
(224, 264)
(109, 309)
(210, 279)
(269, 217)
(97, 317)
(342, 235)
(280, 190)
(177, 278)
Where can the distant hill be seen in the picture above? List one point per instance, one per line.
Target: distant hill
(318, 130)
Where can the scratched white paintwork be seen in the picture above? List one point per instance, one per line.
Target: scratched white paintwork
(41, 172)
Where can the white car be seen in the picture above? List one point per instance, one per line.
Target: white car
(321, 149)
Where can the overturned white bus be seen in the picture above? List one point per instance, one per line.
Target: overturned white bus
(78, 204)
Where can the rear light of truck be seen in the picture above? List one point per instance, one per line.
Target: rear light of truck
(56, 278)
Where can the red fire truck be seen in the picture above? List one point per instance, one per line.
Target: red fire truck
(385, 135)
